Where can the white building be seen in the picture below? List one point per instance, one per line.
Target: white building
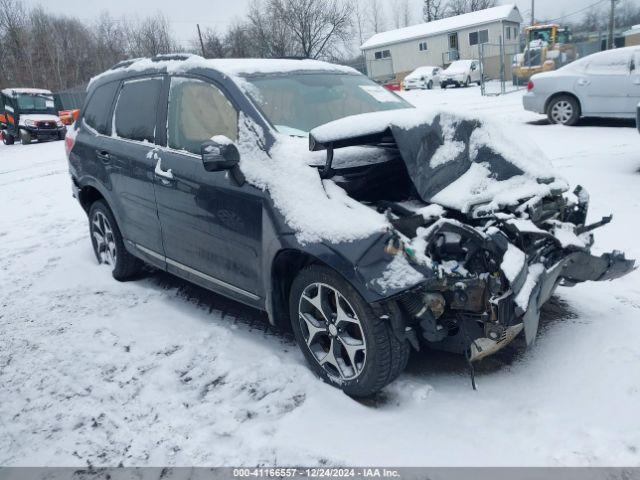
(395, 53)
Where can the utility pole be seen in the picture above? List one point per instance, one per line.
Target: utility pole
(610, 44)
(201, 42)
(533, 15)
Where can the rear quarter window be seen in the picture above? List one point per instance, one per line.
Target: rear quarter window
(134, 117)
(96, 114)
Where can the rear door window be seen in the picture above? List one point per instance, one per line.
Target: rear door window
(198, 111)
(612, 62)
(134, 117)
(96, 115)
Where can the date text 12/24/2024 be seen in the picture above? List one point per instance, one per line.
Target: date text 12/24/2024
(316, 472)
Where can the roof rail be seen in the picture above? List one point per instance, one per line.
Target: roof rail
(125, 63)
(172, 56)
(290, 57)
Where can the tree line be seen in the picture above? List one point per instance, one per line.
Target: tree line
(59, 52)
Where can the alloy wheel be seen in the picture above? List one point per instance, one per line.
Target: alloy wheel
(332, 331)
(561, 111)
(104, 240)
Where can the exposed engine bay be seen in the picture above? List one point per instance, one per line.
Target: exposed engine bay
(478, 240)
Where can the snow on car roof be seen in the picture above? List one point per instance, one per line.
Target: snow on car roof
(32, 91)
(229, 66)
(419, 70)
(502, 12)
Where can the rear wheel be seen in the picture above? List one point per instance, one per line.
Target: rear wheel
(564, 110)
(108, 245)
(344, 341)
(25, 137)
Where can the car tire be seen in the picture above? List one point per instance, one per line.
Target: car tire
(376, 356)
(443, 86)
(7, 139)
(430, 85)
(564, 110)
(25, 137)
(108, 245)
(467, 82)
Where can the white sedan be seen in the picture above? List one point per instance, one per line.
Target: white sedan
(461, 73)
(605, 84)
(422, 78)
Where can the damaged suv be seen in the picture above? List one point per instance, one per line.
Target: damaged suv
(304, 189)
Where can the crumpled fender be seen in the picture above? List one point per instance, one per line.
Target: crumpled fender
(583, 266)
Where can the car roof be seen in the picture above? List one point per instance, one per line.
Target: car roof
(231, 67)
(425, 67)
(16, 91)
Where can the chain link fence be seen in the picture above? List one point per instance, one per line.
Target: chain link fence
(496, 66)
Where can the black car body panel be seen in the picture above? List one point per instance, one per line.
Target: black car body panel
(221, 232)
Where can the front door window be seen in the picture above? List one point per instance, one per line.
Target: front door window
(198, 111)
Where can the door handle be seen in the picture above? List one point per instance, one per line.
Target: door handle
(103, 156)
(165, 174)
(583, 83)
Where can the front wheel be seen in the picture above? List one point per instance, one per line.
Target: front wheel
(108, 245)
(25, 137)
(344, 341)
(430, 85)
(467, 82)
(564, 110)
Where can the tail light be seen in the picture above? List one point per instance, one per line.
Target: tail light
(530, 86)
(70, 139)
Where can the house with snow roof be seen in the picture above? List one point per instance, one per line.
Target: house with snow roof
(395, 53)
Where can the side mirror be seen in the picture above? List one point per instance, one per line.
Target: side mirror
(219, 153)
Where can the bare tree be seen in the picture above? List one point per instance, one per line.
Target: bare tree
(150, 36)
(459, 7)
(212, 42)
(238, 43)
(406, 18)
(376, 16)
(396, 16)
(433, 10)
(317, 25)
(110, 41)
(358, 20)
(272, 36)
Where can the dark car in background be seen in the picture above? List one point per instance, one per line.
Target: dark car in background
(203, 168)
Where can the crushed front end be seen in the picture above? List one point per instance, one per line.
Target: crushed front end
(480, 236)
(487, 274)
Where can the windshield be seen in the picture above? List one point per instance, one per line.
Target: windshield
(297, 103)
(35, 103)
(541, 34)
(459, 66)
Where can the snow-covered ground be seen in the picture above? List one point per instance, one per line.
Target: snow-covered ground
(157, 372)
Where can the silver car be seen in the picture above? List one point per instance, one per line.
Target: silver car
(605, 84)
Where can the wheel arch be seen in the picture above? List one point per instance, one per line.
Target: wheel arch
(285, 266)
(563, 94)
(88, 195)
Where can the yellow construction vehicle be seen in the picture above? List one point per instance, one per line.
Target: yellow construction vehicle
(547, 47)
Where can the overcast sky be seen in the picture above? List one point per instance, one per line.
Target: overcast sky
(184, 14)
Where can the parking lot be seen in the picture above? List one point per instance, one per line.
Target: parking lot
(157, 372)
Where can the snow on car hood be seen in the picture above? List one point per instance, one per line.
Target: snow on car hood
(455, 161)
